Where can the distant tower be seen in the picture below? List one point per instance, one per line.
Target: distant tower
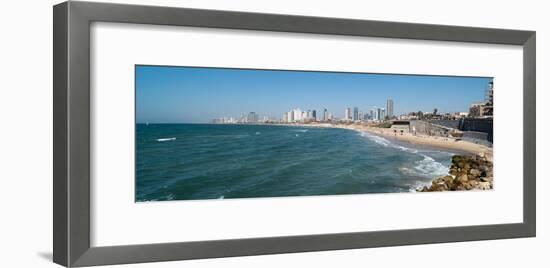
(252, 117)
(389, 108)
(285, 117)
(297, 114)
(325, 115)
(347, 115)
(314, 115)
(355, 113)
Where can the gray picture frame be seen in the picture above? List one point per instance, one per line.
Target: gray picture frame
(71, 143)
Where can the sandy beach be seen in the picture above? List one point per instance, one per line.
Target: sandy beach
(418, 139)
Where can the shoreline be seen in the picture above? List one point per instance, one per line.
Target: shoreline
(419, 139)
(471, 170)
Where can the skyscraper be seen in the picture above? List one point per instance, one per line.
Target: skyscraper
(389, 108)
(314, 115)
(355, 113)
(347, 115)
(297, 115)
(252, 117)
(325, 115)
(286, 118)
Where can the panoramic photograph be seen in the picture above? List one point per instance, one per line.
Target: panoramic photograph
(224, 133)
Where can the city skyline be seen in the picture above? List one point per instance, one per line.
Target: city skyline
(199, 95)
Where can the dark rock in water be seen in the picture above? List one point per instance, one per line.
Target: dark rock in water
(457, 158)
(466, 173)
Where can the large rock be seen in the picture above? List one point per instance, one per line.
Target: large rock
(466, 173)
(463, 178)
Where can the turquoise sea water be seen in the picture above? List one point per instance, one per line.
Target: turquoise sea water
(207, 161)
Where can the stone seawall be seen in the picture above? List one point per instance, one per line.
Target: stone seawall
(466, 173)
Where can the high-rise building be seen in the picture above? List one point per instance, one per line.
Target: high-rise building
(378, 113)
(347, 115)
(252, 117)
(355, 113)
(383, 114)
(375, 113)
(297, 115)
(285, 117)
(389, 108)
(314, 115)
(325, 115)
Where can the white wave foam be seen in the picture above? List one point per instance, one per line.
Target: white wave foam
(428, 167)
(166, 139)
(376, 139)
(221, 197)
(411, 150)
(302, 130)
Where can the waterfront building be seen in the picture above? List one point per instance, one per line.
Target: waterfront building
(325, 115)
(347, 114)
(377, 114)
(297, 115)
(401, 126)
(314, 115)
(485, 108)
(355, 114)
(389, 108)
(476, 109)
(252, 117)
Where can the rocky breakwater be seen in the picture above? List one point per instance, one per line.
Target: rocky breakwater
(466, 173)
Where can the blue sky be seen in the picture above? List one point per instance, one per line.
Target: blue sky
(195, 95)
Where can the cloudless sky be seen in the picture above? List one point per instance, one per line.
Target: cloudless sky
(195, 95)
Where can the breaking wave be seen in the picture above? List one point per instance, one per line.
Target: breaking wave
(426, 167)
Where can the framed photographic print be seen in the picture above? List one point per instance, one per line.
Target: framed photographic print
(185, 133)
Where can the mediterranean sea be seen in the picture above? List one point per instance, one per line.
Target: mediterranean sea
(214, 161)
